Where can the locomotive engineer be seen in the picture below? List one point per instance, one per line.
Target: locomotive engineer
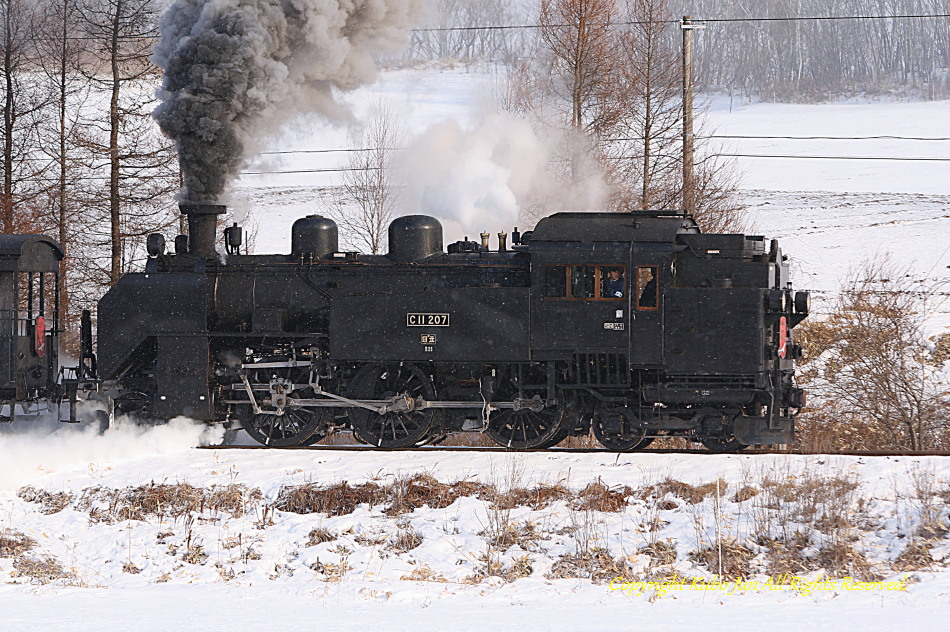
(614, 285)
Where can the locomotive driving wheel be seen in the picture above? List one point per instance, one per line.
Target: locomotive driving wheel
(533, 426)
(401, 428)
(718, 437)
(296, 426)
(722, 445)
(619, 435)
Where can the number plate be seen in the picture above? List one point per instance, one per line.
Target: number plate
(614, 326)
(427, 320)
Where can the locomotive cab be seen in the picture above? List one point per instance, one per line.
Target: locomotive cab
(29, 317)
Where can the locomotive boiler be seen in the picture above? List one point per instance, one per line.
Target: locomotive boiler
(630, 325)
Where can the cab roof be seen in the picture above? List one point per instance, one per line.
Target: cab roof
(29, 253)
(655, 226)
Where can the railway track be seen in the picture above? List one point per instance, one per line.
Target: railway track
(554, 451)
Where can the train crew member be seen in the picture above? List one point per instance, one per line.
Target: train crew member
(614, 283)
(647, 296)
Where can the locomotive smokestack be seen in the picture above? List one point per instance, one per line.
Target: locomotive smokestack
(202, 227)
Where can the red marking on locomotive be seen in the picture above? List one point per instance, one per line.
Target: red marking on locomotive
(39, 336)
(782, 337)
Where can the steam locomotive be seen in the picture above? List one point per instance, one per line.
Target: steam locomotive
(632, 326)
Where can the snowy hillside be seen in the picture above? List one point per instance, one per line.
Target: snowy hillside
(134, 529)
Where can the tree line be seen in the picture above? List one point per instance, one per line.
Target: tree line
(80, 157)
(759, 56)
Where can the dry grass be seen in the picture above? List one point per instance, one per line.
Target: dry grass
(729, 558)
(817, 497)
(162, 500)
(599, 497)
(336, 500)
(539, 497)
(787, 556)
(423, 573)
(841, 559)
(660, 552)
(491, 567)
(596, 565)
(39, 570)
(422, 490)
(406, 539)
(319, 536)
(916, 556)
(49, 502)
(693, 494)
(14, 544)
(744, 493)
(508, 534)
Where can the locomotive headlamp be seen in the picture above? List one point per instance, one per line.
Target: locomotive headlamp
(155, 244)
(777, 302)
(802, 302)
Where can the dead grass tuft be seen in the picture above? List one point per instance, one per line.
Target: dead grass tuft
(744, 493)
(490, 566)
(39, 570)
(423, 573)
(818, 498)
(916, 556)
(539, 497)
(336, 500)
(163, 500)
(14, 544)
(661, 552)
(406, 539)
(843, 560)
(693, 494)
(599, 497)
(422, 490)
(525, 535)
(596, 565)
(319, 536)
(729, 559)
(49, 502)
(787, 556)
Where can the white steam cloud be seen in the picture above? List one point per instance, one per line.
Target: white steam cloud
(494, 177)
(32, 449)
(235, 70)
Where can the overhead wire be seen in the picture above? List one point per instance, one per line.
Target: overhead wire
(508, 27)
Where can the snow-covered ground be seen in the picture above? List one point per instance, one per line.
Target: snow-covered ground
(127, 562)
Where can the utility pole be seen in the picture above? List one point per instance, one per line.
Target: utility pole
(689, 188)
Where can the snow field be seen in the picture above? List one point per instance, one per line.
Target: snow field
(543, 532)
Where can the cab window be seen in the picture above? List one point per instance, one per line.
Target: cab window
(647, 289)
(585, 282)
(582, 281)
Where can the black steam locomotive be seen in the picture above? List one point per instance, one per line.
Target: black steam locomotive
(630, 325)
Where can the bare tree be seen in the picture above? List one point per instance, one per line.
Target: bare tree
(60, 58)
(369, 193)
(579, 40)
(652, 89)
(141, 164)
(22, 98)
(874, 376)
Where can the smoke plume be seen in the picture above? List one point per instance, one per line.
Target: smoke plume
(237, 69)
